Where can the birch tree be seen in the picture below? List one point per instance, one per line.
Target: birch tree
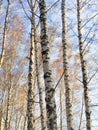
(43, 124)
(31, 77)
(84, 71)
(69, 115)
(31, 74)
(7, 121)
(49, 90)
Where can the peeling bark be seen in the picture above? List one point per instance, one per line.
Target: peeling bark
(69, 115)
(84, 73)
(49, 90)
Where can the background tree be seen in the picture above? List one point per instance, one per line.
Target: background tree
(70, 125)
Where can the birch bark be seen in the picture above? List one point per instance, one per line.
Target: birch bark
(43, 124)
(84, 73)
(49, 90)
(31, 78)
(69, 115)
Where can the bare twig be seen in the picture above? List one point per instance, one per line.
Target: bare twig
(92, 76)
(24, 10)
(79, 80)
(59, 81)
(89, 20)
(52, 6)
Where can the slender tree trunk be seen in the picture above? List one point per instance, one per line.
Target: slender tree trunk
(4, 35)
(49, 90)
(43, 124)
(3, 97)
(84, 73)
(7, 122)
(31, 77)
(81, 115)
(61, 128)
(69, 115)
(1, 110)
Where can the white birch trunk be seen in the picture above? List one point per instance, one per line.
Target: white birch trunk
(31, 79)
(43, 123)
(49, 90)
(84, 73)
(69, 115)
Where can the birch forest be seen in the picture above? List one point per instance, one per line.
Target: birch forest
(48, 64)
